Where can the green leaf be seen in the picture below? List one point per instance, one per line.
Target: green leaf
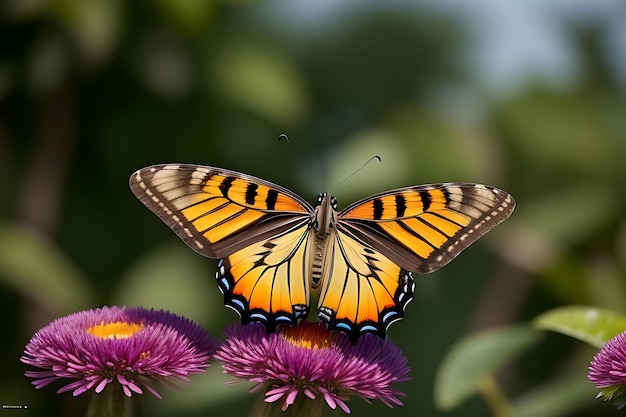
(35, 267)
(477, 357)
(592, 325)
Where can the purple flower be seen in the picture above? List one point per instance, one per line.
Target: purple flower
(607, 370)
(131, 346)
(310, 360)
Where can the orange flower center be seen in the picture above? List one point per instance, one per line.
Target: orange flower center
(117, 330)
(308, 335)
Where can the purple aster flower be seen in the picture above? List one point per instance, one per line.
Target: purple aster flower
(310, 360)
(607, 370)
(133, 347)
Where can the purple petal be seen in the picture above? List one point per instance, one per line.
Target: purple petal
(102, 385)
(291, 397)
(274, 397)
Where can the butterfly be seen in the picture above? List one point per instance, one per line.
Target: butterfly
(277, 252)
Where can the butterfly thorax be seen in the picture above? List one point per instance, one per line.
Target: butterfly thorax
(325, 215)
(325, 219)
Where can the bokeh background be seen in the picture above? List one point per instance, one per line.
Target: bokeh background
(528, 96)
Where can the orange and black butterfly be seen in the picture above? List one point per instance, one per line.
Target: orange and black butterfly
(277, 250)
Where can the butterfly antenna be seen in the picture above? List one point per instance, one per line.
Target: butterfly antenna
(357, 170)
(284, 137)
(296, 152)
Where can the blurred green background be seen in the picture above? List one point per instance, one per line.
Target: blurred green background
(528, 96)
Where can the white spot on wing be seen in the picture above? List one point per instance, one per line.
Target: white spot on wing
(465, 209)
(200, 173)
(455, 193)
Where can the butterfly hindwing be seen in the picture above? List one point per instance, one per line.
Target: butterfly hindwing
(268, 281)
(217, 211)
(367, 292)
(424, 227)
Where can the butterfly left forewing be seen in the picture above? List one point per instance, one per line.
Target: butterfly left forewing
(422, 228)
(217, 211)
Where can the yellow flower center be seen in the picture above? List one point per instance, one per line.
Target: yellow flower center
(117, 330)
(308, 335)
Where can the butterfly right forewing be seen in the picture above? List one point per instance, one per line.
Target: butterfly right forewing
(422, 228)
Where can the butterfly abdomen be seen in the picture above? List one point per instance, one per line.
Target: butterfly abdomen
(317, 260)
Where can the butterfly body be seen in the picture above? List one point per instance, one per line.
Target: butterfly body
(325, 220)
(275, 248)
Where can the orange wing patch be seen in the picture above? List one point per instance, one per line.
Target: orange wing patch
(251, 194)
(268, 280)
(400, 204)
(366, 293)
